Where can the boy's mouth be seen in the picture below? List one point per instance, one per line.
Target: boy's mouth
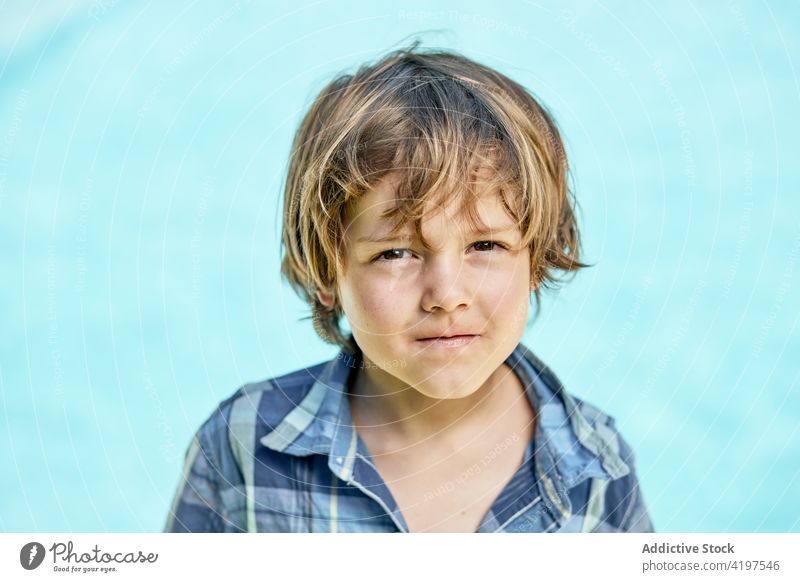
(448, 333)
(453, 341)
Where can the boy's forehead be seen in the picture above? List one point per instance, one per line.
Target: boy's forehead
(368, 210)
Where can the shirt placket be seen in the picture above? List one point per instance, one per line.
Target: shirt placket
(349, 461)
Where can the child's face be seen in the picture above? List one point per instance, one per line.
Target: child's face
(396, 293)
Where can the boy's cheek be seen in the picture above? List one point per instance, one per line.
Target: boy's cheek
(375, 310)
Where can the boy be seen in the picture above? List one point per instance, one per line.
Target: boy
(426, 200)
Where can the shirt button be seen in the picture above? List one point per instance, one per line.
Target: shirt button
(339, 460)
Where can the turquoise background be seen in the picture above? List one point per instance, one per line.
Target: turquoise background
(142, 153)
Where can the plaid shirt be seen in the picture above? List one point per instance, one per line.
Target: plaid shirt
(282, 455)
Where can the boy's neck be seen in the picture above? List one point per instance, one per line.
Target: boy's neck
(381, 403)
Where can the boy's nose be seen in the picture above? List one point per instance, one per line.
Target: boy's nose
(445, 284)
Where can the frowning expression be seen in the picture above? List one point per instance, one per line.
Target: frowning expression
(397, 295)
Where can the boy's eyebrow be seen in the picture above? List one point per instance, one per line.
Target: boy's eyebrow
(406, 237)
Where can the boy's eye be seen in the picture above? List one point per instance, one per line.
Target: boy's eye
(393, 254)
(491, 244)
(390, 255)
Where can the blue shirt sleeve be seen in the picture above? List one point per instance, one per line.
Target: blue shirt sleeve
(636, 518)
(627, 497)
(197, 504)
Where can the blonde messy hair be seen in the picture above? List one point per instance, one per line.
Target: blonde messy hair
(439, 121)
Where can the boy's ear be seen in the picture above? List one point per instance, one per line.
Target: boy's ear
(325, 298)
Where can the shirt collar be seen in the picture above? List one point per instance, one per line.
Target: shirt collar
(573, 441)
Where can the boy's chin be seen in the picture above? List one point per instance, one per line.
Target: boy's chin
(451, 395)
(438, 390)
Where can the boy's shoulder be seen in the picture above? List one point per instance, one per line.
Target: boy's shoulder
(597, 464)
(265, 402)
(288, 387)
(587, 421)
(606, 426)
